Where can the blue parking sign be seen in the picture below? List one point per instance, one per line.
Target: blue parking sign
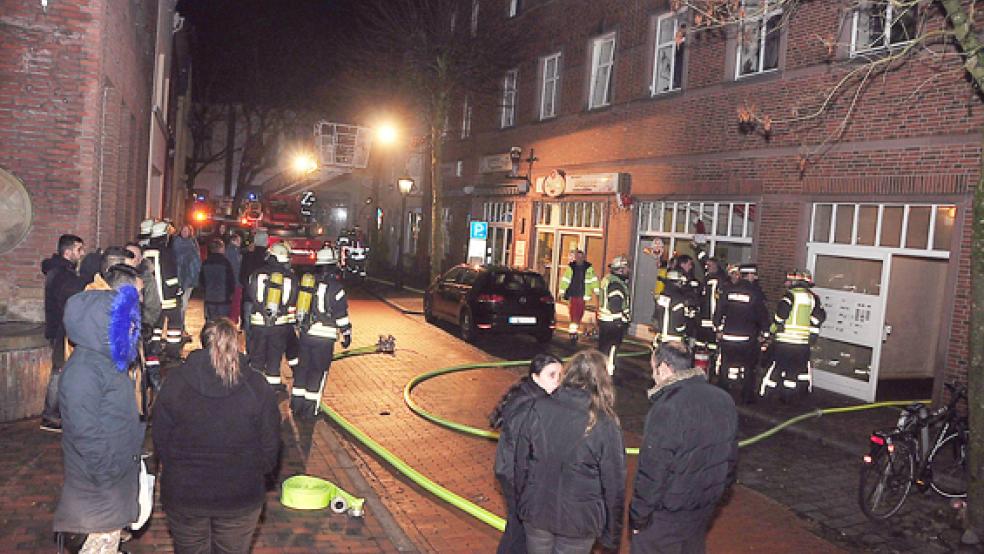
(479, 230)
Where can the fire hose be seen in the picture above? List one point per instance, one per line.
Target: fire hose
(474, 510)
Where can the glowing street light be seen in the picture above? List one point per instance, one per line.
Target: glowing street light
(303, 163)
(387, 134)
(405, 184)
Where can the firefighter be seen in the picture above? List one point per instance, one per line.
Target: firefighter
(272, 293)
(674, 310)
(706, 336)
(796, 326)
(742, 323)
(165, 269)
(614, 313)
(322, 318)
(578, 285)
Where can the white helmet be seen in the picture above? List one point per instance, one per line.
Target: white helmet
(159, 229)
(280, 252)
(326, 256)
(146, 226)
(620, 262)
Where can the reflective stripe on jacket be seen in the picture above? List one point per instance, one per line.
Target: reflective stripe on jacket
(615, 301)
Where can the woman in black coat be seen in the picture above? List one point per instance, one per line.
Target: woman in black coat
(217, 433)
(570, 463)
(543, 379)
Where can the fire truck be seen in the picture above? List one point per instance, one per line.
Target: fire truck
(280, 216)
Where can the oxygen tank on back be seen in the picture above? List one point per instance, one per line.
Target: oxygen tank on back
(305, 295)
(275, 290)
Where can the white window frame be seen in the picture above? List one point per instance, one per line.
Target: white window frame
(512, 8)
(474, 18)
(886, 33)
(507, 117)
(851, 210)
(597, 66)
(466, 117)
(549, 84)
(763, 21)
(673, 17)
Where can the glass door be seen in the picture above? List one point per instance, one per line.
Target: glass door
(544, 257)
(852, 285)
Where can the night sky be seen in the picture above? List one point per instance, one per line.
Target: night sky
(274, 52)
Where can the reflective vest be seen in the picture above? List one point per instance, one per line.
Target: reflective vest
(614, 287)
(590, 282)
(798, 316)
(329, 314)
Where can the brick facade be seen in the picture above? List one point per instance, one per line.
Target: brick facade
(912, 137)
(74, 111)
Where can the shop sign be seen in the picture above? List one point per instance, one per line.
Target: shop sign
(496, 163)
(519, 256)
(477, 237)
(505, 189)
(557, 183)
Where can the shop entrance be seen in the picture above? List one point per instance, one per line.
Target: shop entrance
(880, 275)
(561, 229)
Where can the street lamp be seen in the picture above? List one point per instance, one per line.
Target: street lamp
(387, 133)
(303, 163)
(405, 185)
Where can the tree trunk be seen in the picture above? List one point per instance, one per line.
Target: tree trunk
(436, 203)
(966, 37)
(230, 148)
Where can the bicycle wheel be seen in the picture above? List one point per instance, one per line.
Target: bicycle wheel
(948, 463)
(886, 481)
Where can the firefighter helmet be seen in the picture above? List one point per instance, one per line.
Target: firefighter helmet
(733, 269)
(146, 226)
(748, 269)
(800, 276)
(326, 256)
(280, 252)
(620, 262)
(159, 229)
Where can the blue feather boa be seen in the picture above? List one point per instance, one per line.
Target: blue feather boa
(124, 327)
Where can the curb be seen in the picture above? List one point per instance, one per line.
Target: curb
(843, 446)
(395, 305)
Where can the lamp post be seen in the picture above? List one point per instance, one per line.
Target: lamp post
(406, 185)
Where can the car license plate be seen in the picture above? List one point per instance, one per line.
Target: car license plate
(522, 320)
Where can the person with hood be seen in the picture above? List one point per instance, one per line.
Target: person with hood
(61, 281)
(570, 463)
(188, 255)
(578, 285)
(687, 459)
(508, 416)
(217, 434)
(103, 435)
(217, 281)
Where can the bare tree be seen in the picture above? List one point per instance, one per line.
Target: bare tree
(264, 129)
(426, 55)
(946, 32)
(202, 121)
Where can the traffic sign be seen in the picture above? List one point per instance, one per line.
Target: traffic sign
(479, 230)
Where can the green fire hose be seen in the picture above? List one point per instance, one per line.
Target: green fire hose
(473, 509)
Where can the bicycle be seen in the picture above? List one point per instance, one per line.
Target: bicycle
(905, 456)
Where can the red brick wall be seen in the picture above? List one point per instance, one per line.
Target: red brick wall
(913, 136)
(74, 95)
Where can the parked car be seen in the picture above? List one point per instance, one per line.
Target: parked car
(492, 299)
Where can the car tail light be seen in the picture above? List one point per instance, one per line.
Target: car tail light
(491, 298)
(878, 440)
(546, 299)
(484, 325)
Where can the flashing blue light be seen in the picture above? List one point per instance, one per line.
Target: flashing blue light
(251, 196)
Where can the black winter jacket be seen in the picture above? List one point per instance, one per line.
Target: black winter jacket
(687, 459)
(60, 282)
(568, 482)
(217, 279)
(511, 414)
(216, 443)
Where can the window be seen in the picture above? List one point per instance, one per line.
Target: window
(727, 227)
(582, 215)
(513, 8)
(459, 168)
(926, 228)
(549, 85)
(508, 118)
(497, 212)
(668, 64)
(474, 18)
(466, 115)
(602, 62)
(758, 37)
(882, 24)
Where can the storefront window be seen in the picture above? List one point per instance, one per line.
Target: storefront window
(943, 227)
(917, 232)
(727, 226)
(924, 227)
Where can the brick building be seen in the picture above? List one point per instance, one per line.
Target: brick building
(636, 137)
(84, 89)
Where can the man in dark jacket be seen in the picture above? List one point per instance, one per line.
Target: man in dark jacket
(103, 436)
(218, 281)
(687, 459)
(61, 280)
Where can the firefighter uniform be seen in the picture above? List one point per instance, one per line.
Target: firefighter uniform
(706, 336)
(272, 293)
(741, 320)
(322, 320)
(675, 309)
(161, 260)
(614, 313)
(578, 285)
(796, 326)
